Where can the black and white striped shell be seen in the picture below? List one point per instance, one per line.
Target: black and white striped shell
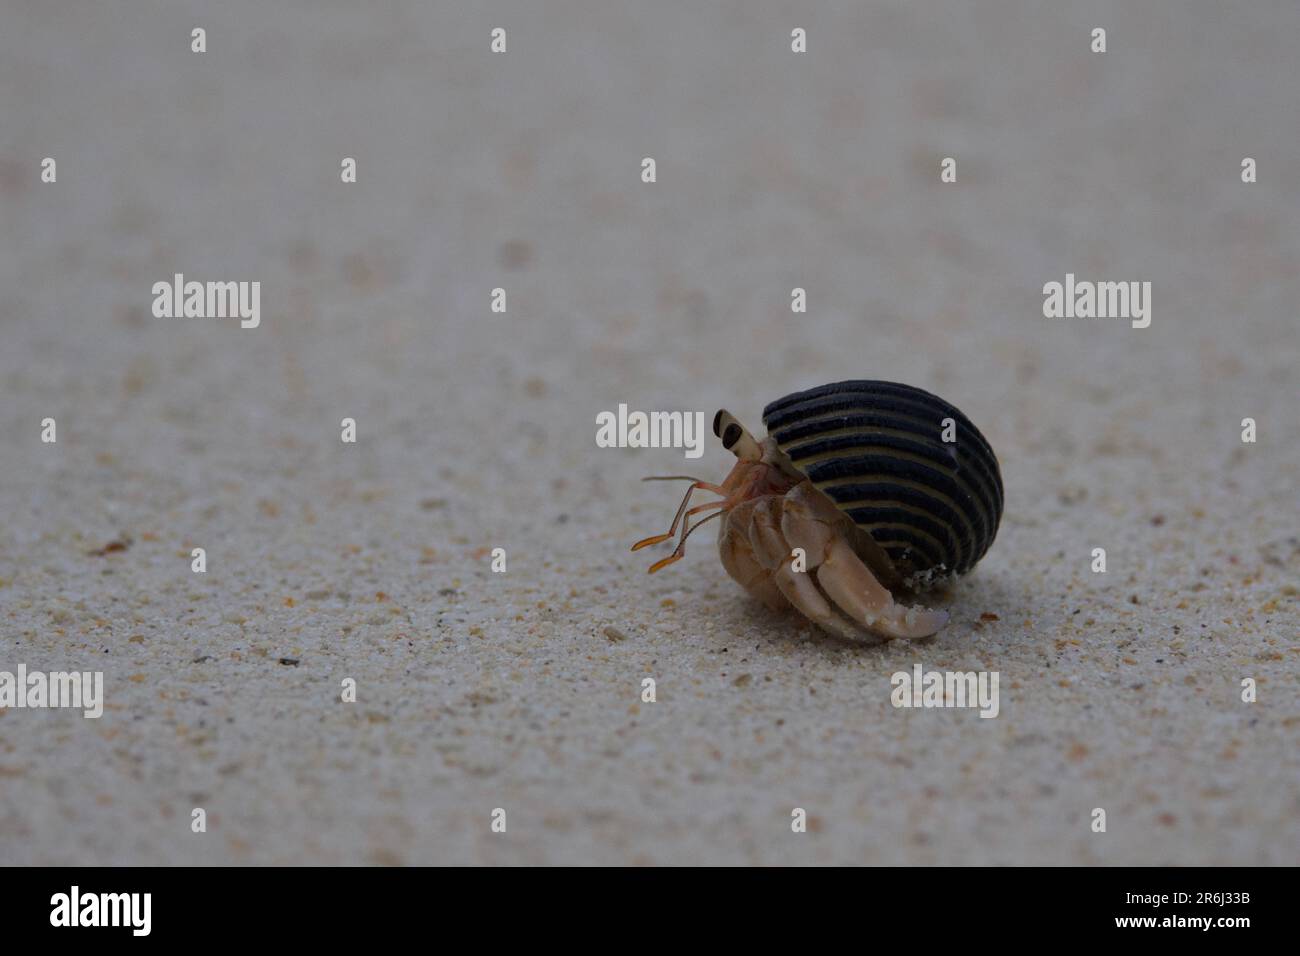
(876, 449)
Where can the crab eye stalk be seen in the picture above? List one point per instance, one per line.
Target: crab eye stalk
(735, 438)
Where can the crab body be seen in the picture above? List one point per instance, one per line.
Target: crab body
(860, 490)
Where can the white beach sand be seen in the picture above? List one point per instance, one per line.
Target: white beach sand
(477, 690)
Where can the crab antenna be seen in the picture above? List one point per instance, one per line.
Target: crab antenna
(681, 511)
(680, 550)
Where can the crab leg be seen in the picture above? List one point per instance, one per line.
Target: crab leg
(738, 558)
(855, 589)
(765, 536)
(801, 591)
(773, 549)
(811, 523)
(681, 509)
(680, 550)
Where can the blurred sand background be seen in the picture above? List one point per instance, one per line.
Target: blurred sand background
(521, 690)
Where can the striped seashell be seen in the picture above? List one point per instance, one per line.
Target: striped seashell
(876, 450)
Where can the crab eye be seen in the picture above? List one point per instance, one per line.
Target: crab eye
(731, 436)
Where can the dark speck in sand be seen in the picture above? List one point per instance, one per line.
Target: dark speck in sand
(111, 548)
(515, 254)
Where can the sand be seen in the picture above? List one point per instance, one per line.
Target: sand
(476, 430)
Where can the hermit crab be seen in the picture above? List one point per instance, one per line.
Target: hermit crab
(860, 490)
